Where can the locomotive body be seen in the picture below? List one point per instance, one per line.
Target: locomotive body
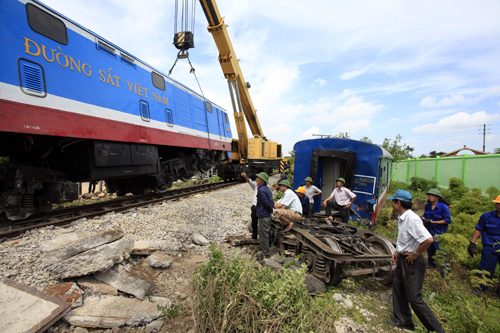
(75, 107)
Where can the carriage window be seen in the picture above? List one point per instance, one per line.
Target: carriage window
(144, 109)
(169, 117)
(126, 59)
(208, 107)
(226, 119)
(103, 47)
(46, 25)
(158, 81)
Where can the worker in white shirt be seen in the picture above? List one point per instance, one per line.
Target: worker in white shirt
(343, 198)
(288, 209)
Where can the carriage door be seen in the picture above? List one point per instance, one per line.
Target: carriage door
(326, 166)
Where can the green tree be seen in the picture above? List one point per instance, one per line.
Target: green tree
(434, 153)
(342, 135)
(398, 149)
(365, 139)
(496, 151)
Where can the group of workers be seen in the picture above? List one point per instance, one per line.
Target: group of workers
(416, 234)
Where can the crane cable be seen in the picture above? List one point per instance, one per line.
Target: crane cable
(184, 54)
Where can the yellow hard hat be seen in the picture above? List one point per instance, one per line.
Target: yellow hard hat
(301, 190)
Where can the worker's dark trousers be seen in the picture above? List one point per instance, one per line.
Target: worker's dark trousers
(344, 213)
(407, 290)
(264, 224)
(255, 222)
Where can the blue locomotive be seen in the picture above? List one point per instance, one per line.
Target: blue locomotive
(75, 107)
(366, 168)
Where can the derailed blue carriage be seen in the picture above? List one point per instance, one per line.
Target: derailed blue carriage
(366, 167)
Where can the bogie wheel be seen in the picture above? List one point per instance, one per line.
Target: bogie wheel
(382, 246)
(335, 271)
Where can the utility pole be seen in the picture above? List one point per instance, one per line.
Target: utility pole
(484, 136)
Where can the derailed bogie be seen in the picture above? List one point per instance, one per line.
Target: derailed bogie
(333, 252)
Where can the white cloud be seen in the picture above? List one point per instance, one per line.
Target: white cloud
(438, 144)
(460, 120)
(307, 134)
(320, 82)
(352, 126)
(454, 143)
(353, 108)
(393, 120)
(345, 94)
(445, 101)
(352, 74)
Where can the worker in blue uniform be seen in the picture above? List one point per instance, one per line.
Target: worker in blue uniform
(436, 219)
(264, 209)
(304, 200)
(488, 228)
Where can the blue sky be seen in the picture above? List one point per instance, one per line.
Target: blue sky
(428, 70)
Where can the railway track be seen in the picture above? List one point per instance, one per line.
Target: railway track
(64, 216)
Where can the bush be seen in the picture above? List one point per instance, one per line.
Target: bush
(232, 296)
(421, 185)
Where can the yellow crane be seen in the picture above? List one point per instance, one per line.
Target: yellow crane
(258, 153)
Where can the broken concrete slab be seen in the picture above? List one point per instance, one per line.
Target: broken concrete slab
(241, 240)
(95, 260)
(26, 309)
(114, 311)
(134, 280)
(144, 247)
(63, 239)
(159, 259)
(96, 286)
(273, 264)
(154, 326)
(68, 292)
(200, 240)
(81, 245)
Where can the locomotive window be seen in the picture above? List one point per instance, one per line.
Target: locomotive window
(208, 106)
(144, 109)
(169, 117)
(226, 119)
(103, 47)
(126, 59)
(158, 81)
(46, 25)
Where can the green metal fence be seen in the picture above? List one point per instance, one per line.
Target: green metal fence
(481, 171)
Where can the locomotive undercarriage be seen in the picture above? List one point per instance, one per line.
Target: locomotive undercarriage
(333, 252)
(42, 170)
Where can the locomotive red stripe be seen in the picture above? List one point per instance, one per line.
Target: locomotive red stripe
(30, 119)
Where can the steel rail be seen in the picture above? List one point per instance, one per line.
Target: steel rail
(60, 217)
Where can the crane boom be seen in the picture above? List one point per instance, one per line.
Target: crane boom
(229, 62)
(258, 152)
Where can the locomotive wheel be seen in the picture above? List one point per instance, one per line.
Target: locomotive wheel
(186, 177)
(161, 189)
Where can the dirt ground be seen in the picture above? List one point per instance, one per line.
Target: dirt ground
(176, 283)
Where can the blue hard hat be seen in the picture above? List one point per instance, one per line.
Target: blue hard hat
(401, 195)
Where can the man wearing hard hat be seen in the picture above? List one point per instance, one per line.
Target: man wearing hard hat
(343, 198)
(304, 200)
(288, 208)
